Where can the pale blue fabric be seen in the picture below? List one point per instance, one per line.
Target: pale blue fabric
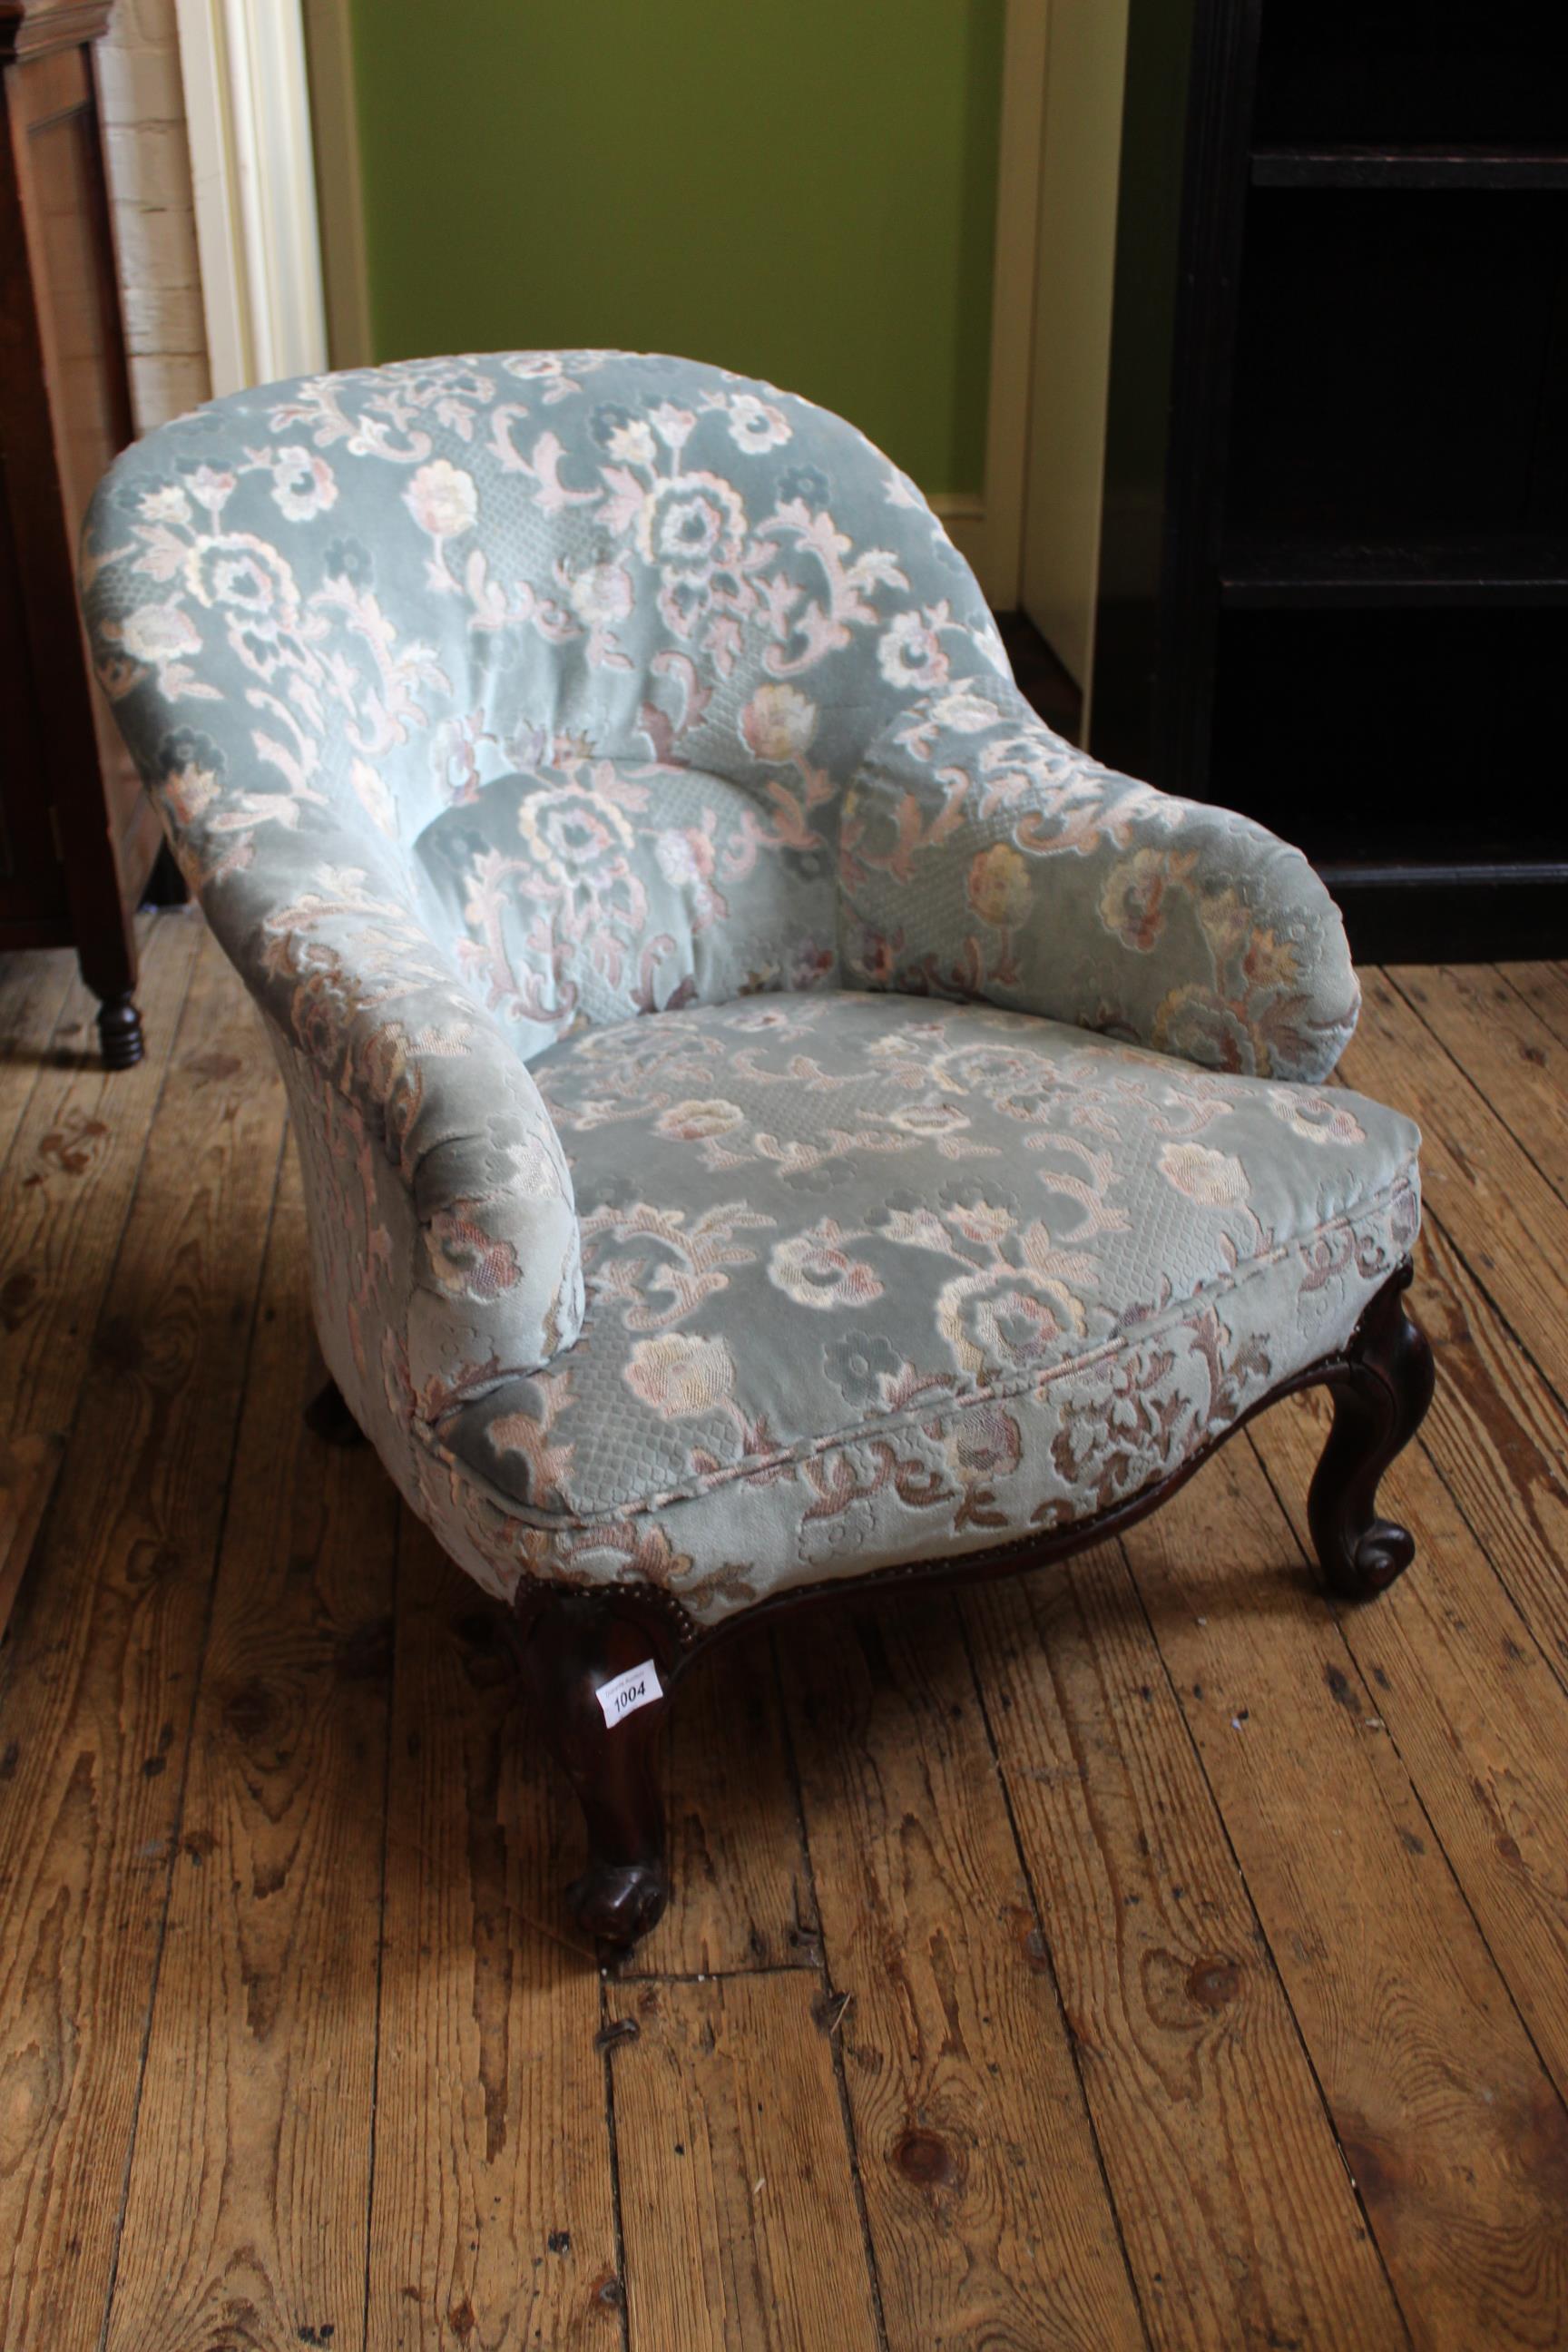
(493, 702)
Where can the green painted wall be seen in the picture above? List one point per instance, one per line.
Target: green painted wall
(801, 189)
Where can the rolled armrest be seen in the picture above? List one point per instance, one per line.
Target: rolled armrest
(344, 965)
(981, 855)
(262, 764)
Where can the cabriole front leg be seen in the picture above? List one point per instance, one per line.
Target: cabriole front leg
(599, 1673)
(1381, 1394)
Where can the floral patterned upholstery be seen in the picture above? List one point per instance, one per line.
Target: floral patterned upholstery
(607, 778)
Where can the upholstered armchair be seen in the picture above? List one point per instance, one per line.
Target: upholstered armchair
(775, 1118)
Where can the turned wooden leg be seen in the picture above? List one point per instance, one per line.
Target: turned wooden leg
(327, 1416)
(120, 1032)
(574, 1647)
(1381, 1396)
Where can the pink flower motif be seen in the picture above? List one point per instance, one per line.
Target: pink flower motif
(909, 653)
(928, 1118)
(601, 595)
(674, 426)
(679, 1374)
(1215, 1180)
(685, 856)
(303, 484)
(442, 500)
(689, 524)
(210, 487)
(1315, 1117)
(696, 1122)
(245, 574)
(166, 504)
(756, 425)
(996, 1322)
(815, 1269)
(778, 723)
(986, 1444)
(465, 1259)
(159, 634)
(455, 755)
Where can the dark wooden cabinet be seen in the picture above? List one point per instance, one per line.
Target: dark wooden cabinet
(1335, 515)
(78, 837)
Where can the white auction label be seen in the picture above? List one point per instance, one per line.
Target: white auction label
(639, 1687)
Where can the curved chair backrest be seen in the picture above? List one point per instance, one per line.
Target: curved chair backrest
(579, 649)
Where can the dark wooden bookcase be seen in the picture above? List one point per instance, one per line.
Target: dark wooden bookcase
(1334, 570)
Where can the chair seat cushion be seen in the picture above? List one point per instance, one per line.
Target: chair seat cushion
(874, 1278)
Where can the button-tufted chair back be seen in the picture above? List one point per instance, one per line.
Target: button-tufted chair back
(587, 643)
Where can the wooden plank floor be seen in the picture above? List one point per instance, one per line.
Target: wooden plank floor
(1143, 1952)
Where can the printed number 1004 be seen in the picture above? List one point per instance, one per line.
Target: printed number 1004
(639, 1687)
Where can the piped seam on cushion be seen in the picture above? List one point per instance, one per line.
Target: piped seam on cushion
(755, 1467)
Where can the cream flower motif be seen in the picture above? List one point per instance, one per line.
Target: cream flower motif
(673, 424)
(990, 1223)
(211, 487)
(964, 710)
(1215, 1180)
(759, 1018)
(242, 572)
(1315, 1117)
(778, 723)
(815, 1269)
(909, 653)
(755, 425)
(442, 500)
(685, 856)
(696, 1122)
(999, 889)
(997, 1321)
(569, 830)
(633, 443)
(536, 367)
(158, 633)
(928, 1118)
(168, 503)
(690, 523)
(601, 594)
(679, 1374)
(303, 484)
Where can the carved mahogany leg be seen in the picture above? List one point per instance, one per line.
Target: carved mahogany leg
(328, 1417)
(1380, 1398)
(576, 1646)
(119, 1033)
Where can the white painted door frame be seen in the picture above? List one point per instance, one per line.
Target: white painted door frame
(247, 111)
(989, 528)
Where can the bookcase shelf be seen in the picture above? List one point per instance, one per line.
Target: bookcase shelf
(1334, 567)
(1405, 167)
(1303, 573)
